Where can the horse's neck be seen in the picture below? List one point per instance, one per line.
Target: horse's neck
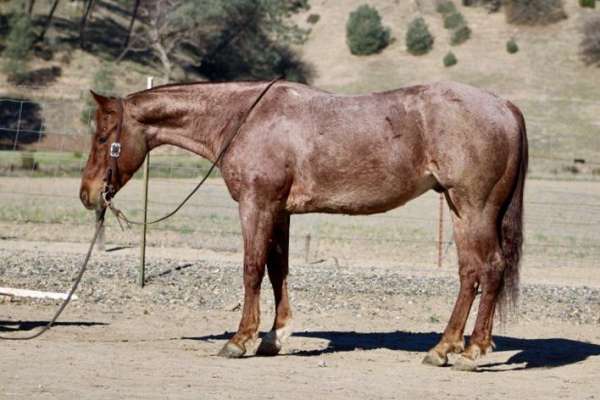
(198, 118)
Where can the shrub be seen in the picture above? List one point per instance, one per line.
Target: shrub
(418, 38)
(491, 5)
(587, 3)
(534, 12)
(511, 46)
(446, 7)
(450, 59)
(590, 44)
(453, 20)
(364, 32)
(313, 18)
(295, 6)
(18, 45)
(460, 35)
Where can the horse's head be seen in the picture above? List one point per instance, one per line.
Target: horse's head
(117, 151)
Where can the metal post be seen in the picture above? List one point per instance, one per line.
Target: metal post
(100, 243)
(307, 248)
(440, 230)
(142, 270)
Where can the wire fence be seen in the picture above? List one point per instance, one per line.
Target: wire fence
(42, 156)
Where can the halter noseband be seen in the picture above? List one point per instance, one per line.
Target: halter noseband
(114, 153)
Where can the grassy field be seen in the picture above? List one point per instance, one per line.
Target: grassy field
(561, 223)
(70, 164)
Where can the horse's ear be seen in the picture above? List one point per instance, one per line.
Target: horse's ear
(103, 102)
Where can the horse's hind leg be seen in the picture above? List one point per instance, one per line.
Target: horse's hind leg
(277, 267)
(453, 340)
(490, 278)
(481, 265)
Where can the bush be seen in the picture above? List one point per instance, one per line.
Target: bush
(313, 18)
(460, 35)
(450, 59)
(491, 5)
(590, 44)
(418, 38)
(364, 32)
(534, 12)
(295, 6)
(587, 3)
(453, 20)
(512, 47)
(18, 45)
(446, 7)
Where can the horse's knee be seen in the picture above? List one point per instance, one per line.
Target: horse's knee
(253, 275)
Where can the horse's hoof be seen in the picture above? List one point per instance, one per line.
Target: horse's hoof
(270, 345)
(231, 350)
(268, 348)
(435, 359)
(465, 364)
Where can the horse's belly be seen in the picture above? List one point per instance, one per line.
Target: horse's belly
(364, 198)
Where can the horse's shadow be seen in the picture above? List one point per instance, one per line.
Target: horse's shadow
(531, 353)
(23, 326)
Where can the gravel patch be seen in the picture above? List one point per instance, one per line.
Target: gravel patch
(201, 285)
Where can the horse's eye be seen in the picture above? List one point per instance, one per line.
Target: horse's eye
(102, 139)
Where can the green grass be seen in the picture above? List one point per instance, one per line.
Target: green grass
(70, 164)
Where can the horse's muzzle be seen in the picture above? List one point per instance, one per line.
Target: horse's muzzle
(90, 199)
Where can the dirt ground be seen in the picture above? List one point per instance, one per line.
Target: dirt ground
(356, 334)
(171, 355)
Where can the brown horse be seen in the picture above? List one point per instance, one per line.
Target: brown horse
(302, 150)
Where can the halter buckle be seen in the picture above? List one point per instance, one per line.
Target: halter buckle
(115, 150)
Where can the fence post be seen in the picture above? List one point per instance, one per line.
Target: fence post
(100, 243)
(440, 230)
(307, 248)
(142, 268)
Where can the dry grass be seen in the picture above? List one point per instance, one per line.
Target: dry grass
(561, 223)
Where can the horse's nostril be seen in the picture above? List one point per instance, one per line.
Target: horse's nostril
(83, 195)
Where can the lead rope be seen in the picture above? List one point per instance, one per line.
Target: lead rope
(99, 224)
(120, 216)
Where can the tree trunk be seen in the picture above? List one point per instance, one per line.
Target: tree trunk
(48, 20)
(131, 22)
(30, 8)
(84, 21)
(164, 59)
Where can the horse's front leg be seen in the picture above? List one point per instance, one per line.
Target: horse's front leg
(257, 218)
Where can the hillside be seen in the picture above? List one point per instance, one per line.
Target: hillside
(546, 78)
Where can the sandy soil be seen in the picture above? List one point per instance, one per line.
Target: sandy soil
(170, 355)
(368, 344)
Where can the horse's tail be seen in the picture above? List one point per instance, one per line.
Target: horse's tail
(511, 226)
